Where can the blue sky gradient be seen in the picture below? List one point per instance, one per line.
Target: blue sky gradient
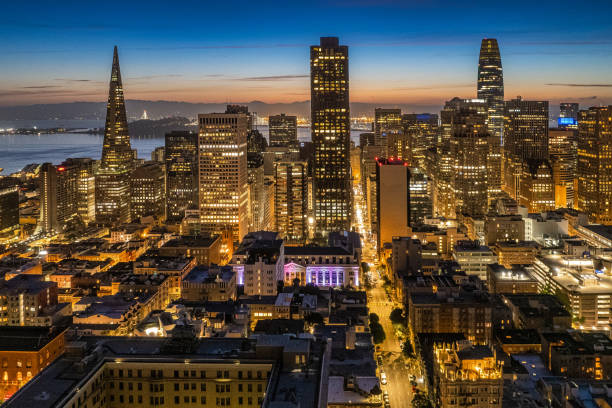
(420, 53)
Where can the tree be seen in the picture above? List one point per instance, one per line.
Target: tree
(314, 318)
(378, 333)
(407, 349)
(397, 316)
(421, 401)
(374, 318)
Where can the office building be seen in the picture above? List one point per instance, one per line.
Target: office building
(205, 249)
(366, 139)
(257, 192)
(515, 252)
(514, 280)
(181, 158)
(420, 133)
(392, 199)
(469, 150)
(58, 197)
(473, 258)
(330, 266)
(113, 177)
(467, 376)
(148, 191)
(568, 115)
(421, 204)
(9, 204)
(563, 157)
(526, 129)
(503, 228)
(387, 126)
(593, 172)
(290, 200)
(223, 190)
(330, 121)
(581, 281)
(283, 130)
(27, 300)
(491, 89)
(536, 186)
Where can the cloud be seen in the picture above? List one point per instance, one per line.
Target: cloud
(156, 76)
(39, 87)
(78, 80)
(274, 77)
(581, 85)
(447, 86)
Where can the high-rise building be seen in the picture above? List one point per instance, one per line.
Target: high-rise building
(420, 133)
(283, 130)
(568, 115)
(526, 129)
(181, 154)
(525, 138)
(392, 199)
(257, 192)
(594, 171)
(329, 108)
(366, 139)
(563, 155)
(223, 191)
(58, 196)
(537, 187)
(469, 148)
(84, 169)
(421, 204)
(9, 204)
(113, 177)
(290, 200)
(148, 190)
(491, 84)
(491, 89)
(387, 125)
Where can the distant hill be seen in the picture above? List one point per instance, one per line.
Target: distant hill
(164, 109)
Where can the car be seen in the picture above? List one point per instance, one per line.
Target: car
(386, 396)
(383, 378)
(387, 405)
(380, 360)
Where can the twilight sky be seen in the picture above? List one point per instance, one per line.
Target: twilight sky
(417, 52)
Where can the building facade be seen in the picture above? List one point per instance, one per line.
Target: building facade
(290, 200)
(181, 158)
(283, 130)
(148, 191)
(330, 119)
(223, 190)
(113, 177)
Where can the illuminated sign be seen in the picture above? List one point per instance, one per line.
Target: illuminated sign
(567, 122)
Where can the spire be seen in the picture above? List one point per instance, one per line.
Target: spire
(116, 152)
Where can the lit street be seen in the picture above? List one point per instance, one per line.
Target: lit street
(389, 352)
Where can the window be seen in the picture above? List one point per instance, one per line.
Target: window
(203, 400)
(176, 386)
(176, 399)
(203, 387)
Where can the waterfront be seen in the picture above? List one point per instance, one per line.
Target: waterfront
(17, 151)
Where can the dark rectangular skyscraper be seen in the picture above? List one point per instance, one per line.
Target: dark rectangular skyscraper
(491, 89)
(329, 108)
(181, 173)
(526, 129)
(283, 130)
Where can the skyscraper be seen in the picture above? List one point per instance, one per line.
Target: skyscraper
(148, 190)
(224, 194)
(387, 126)
(113, 177)
(58, 196)
(9, 204)
(283, 130)
(392, 199)
(594, 171)
(290, 200)
(568, 115)
(491, 89)
(85, 186)
(181, 154)
(526, 139)
(329, 108)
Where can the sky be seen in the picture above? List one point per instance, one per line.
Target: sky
(410, 52)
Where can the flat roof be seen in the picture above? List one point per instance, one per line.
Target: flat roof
(26, 338)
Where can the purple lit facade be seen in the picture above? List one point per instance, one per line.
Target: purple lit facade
(323, 275)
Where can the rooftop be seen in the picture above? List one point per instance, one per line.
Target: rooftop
(26, 338)
(192, 241)
(203, 274)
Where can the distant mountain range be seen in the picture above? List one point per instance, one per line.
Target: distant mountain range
(164, 109)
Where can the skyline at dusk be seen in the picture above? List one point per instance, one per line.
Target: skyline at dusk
(401, 52)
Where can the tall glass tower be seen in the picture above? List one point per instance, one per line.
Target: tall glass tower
(330, 121)
(113, 177)
(491, 89)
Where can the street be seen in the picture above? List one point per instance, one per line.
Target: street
(389, 352)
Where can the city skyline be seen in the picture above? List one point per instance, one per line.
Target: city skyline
(251, 61)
